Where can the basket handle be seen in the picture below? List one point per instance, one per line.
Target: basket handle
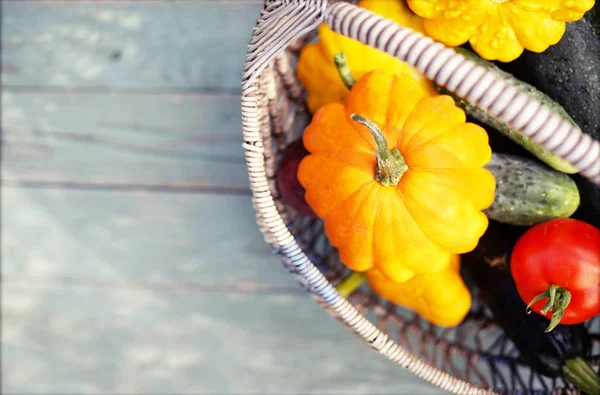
(472, 82)
(283, 21)
(280, 23)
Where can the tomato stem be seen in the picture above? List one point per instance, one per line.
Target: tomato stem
(344, 71)
(558, 301)
(390, 164)
(350, 283)
(551, 300)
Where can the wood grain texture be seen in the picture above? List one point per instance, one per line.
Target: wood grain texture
(143, 340)
(133, 45)
(173, 142)
(121, 286)
(190, 240)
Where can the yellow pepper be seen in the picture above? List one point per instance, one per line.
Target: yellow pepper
(317, 71)
(442, 298)
(499, 29)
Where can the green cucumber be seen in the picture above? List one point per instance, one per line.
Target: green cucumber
(569, 73)
(482, 116)
(528, 193)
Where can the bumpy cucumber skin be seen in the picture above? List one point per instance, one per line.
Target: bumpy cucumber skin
(528, 193)
(569, 73)
(537, 150)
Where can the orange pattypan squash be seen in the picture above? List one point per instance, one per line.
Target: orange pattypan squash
(405, 193)
(442, 298)
(317, 71)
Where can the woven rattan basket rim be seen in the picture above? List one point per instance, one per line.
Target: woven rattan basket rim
(281, 23)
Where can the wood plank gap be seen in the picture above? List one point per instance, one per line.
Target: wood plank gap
(129, 187)
(130, 2)
(191, 92)
(131, 147)
(239, 288)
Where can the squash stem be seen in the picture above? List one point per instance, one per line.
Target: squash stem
(390, 164)
(579, 373)
(558, 301)
(342, 66)
(350, 283)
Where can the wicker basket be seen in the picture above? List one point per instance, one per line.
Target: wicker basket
(474, 357)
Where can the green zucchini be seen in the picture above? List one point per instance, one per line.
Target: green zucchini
(482, 116)
(528, 193)
(569, 73)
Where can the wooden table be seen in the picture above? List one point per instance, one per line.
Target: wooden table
(131, 258)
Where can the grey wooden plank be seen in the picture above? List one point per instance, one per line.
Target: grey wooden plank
(185, 141)
(195, 240)
(142, 340)
(183, 46)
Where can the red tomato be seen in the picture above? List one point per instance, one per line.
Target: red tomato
(563, 254)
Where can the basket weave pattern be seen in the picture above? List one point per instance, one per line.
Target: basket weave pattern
(473, 358)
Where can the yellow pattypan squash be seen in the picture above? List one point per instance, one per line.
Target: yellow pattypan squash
(318, 73)
(443, 299)
(499, 29)
(396, 175)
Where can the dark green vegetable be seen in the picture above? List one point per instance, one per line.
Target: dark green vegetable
(528, 193)
(561, 352)
(569, 73)
(482, 116)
